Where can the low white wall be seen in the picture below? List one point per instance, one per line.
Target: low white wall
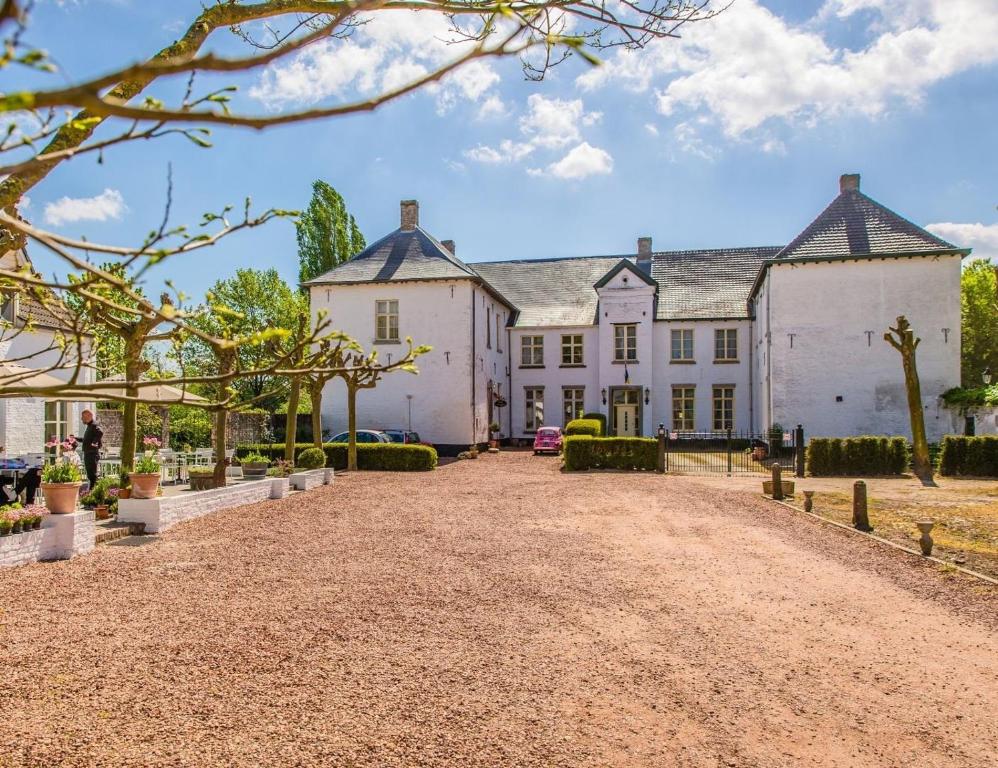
(165, 512)
(61, 537)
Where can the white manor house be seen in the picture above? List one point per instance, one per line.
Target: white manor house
(703, 340)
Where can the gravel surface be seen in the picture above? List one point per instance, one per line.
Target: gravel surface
(498, 612)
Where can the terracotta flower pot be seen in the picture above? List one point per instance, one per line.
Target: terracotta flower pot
(100, 512)
(124, 493)
(61, 498)
(144, 485)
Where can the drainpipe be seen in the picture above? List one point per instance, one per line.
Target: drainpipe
(474, 359)
(509, 383)
(769, 354)
(751, 378)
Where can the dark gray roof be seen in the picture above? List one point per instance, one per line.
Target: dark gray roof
(402, 255)
(707, 283)
(855, 225)
(549, 291)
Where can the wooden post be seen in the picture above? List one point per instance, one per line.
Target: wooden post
(777, 481)
(808, 501)
(799, 448)
(860, 515)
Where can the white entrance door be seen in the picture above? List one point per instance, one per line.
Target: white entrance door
(625, 419)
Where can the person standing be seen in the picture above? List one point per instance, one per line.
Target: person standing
(93, 438)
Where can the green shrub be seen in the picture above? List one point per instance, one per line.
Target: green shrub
(189, 427)
(600, 417)
(311, 458)
(389, 457)
(99, 493)
(864, 456)
(973, 456)
(255, 457)
(585, 452)
(591, 427)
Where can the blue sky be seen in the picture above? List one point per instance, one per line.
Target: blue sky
(734, 135)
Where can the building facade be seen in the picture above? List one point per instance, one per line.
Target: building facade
(705, 340)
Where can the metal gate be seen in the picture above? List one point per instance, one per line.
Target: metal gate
(730, 452)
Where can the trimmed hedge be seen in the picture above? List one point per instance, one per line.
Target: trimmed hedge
(591, 427)
(388, 457)
(600, 417)
(974, 456)
(311, 458)
(858, 456)
(584, 452)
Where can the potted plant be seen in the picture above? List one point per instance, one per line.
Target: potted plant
(201, 478)
(255, 465)
(61, 480)
(145, 479)
(494, 435)
(6, 522)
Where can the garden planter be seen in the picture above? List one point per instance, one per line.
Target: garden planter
(16, 528)
(61, 498)
(787, 485)
(255, 469)
(101, 512)
(37, 524)
(203, 482)
(144, 485)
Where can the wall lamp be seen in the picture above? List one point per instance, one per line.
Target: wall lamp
(603, 394)
(647, 395)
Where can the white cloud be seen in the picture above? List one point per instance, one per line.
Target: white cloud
(651, 128)
(555, 122)
(492, 107)
(749, 66)
(983, 238)
(508, 151)
(109, 204)
(688, 140)
(392, 50)
(582, 161)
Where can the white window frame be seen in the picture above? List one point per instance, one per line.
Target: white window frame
(572, 348)
(531, 351)
(387, 310)
(723, 407)
(625, 343)
(533, 404)
(726, 343)
(684, 417)
(58, 426)
(573, 403)
(682, 336)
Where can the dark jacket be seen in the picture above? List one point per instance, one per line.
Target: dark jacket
(93, 437)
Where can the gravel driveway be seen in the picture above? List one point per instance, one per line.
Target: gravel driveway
(498, 613)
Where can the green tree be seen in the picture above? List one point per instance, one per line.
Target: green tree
(254, 301)
(327, 233)
(979, 319)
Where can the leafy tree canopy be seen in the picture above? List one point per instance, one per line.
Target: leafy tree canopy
(327, 233)
(979, 319)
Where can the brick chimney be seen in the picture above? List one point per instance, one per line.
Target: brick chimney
(449, 245)
(644, 254)
(849, 182)
(410, 214)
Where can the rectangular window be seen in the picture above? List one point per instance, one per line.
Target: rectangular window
(571, 349)
(726, 344)
(572, 403)
(724, 408)
(625, 343)
(682, 344)
(498, 334)
(532, 350)
(683, 408)
(533, 398)
(488, 329)
(386, 320)
(56, 423)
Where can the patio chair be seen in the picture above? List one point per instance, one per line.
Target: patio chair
(204, 457)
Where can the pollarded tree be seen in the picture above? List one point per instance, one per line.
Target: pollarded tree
(903, 339)
(327, 233)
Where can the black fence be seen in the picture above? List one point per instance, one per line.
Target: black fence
(730, 452)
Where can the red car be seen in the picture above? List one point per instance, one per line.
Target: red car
(547, 440)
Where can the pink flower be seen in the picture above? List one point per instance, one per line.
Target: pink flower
(151, 441)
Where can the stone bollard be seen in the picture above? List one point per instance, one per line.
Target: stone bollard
(777, 482)
(860, 516)
(925, 540)
(808, 501)
(327, 476)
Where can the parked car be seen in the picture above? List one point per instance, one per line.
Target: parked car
(363, 436)
(547, 440)
(403, 436)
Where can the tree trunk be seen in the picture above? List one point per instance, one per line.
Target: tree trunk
(221, 423)
(315, 395)
(906, 344)
(351, 427)
(291, 429)
(165, 432)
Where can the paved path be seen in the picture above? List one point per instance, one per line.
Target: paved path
(498, 613)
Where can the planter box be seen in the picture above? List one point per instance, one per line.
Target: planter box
(202, 482)
(307, 480)
(252, 471)
(788, 487)
(61, 537)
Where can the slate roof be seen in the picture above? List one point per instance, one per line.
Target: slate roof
(401, 255)
(855, 225)
(549, 291)
(706, 284)
(50, 314)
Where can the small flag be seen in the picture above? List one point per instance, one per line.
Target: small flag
(627, 376)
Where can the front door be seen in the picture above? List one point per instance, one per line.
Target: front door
(626, 412)
(626, 420)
